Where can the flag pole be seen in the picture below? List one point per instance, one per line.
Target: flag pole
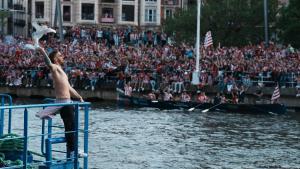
(266, 23)
(195, 80)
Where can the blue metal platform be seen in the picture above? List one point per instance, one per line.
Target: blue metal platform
(47, 139)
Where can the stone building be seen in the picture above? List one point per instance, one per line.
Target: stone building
(143, 13)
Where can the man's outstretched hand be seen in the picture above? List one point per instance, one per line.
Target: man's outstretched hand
(81, 99)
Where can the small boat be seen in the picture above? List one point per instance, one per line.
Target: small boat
(222, 107)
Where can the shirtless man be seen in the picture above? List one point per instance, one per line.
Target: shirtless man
(63, 94)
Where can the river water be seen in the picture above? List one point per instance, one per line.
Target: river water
(154, 139)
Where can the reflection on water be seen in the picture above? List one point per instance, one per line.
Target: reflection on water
(148, 138)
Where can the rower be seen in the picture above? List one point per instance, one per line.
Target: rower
(128, 89)
(234, 96)
(217, 99)
(185, 97)
(152, 96)
(202, 98)
(167, 95)
(259, 94)
(241, 94)
(223, 98)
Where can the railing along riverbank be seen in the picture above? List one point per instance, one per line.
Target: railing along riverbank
(108, 93)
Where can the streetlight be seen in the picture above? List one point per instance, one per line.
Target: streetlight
(195, 80)
(266, 23)
(60, 21)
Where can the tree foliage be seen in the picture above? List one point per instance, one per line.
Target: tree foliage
(3, 15)
(232, 22)
(182, 24)
(289, 23)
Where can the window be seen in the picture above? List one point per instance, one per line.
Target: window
(87, 11)
(169, 13)
(107, 13)
(67, 13)
(108, 1)
(39, 9)
(19, 7)
(128, 13)
(150, 15)
(9, 4)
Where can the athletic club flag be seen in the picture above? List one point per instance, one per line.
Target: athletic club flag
(276, 94)
(208, 41)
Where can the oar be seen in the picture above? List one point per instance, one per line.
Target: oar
(120, 90)
(193, 108)
(206, 110)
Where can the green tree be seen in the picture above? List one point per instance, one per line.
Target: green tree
(289, 24)
(3, 15)
(232, 22)
(182, 24)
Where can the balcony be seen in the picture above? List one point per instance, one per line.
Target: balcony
(171, 2)
(107, 20)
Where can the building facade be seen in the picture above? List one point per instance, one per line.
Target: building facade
(143, 13)
(18, 19)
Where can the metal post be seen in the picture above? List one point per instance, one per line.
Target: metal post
(3, 96)
(2, 117)
(55, 15)
(266, 23)
(25, 139)
(86, 135)
(195, 79)
(2, 20)
(48, 144)
(60, 22)
(9, 115)
(76, 136)
(43, 137)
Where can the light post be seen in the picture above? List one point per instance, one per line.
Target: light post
(266, 23)
(195, 78)
(2, 19)
(58, 16)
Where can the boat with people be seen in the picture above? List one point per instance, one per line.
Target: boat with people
(204, 107)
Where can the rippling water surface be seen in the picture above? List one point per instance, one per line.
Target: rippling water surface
(154, 139)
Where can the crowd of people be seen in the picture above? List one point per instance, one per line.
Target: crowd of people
(146, 60)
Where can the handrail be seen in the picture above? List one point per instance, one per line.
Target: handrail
(45, 105)
(48, 155)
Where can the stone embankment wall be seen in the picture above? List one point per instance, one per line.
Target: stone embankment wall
(288, 95)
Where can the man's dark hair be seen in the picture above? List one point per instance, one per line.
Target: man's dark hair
(52, 55)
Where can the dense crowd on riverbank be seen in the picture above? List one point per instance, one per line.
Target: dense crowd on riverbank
(148, 60)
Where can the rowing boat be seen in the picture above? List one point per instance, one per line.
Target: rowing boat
(224, 107)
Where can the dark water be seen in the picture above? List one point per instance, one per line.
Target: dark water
(153, 139)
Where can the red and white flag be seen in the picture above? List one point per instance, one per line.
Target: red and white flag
(208, 41)
(276, 93)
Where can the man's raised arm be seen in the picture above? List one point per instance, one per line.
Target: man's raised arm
(46, 58)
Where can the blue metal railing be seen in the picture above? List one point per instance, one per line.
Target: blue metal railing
(49, 161)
